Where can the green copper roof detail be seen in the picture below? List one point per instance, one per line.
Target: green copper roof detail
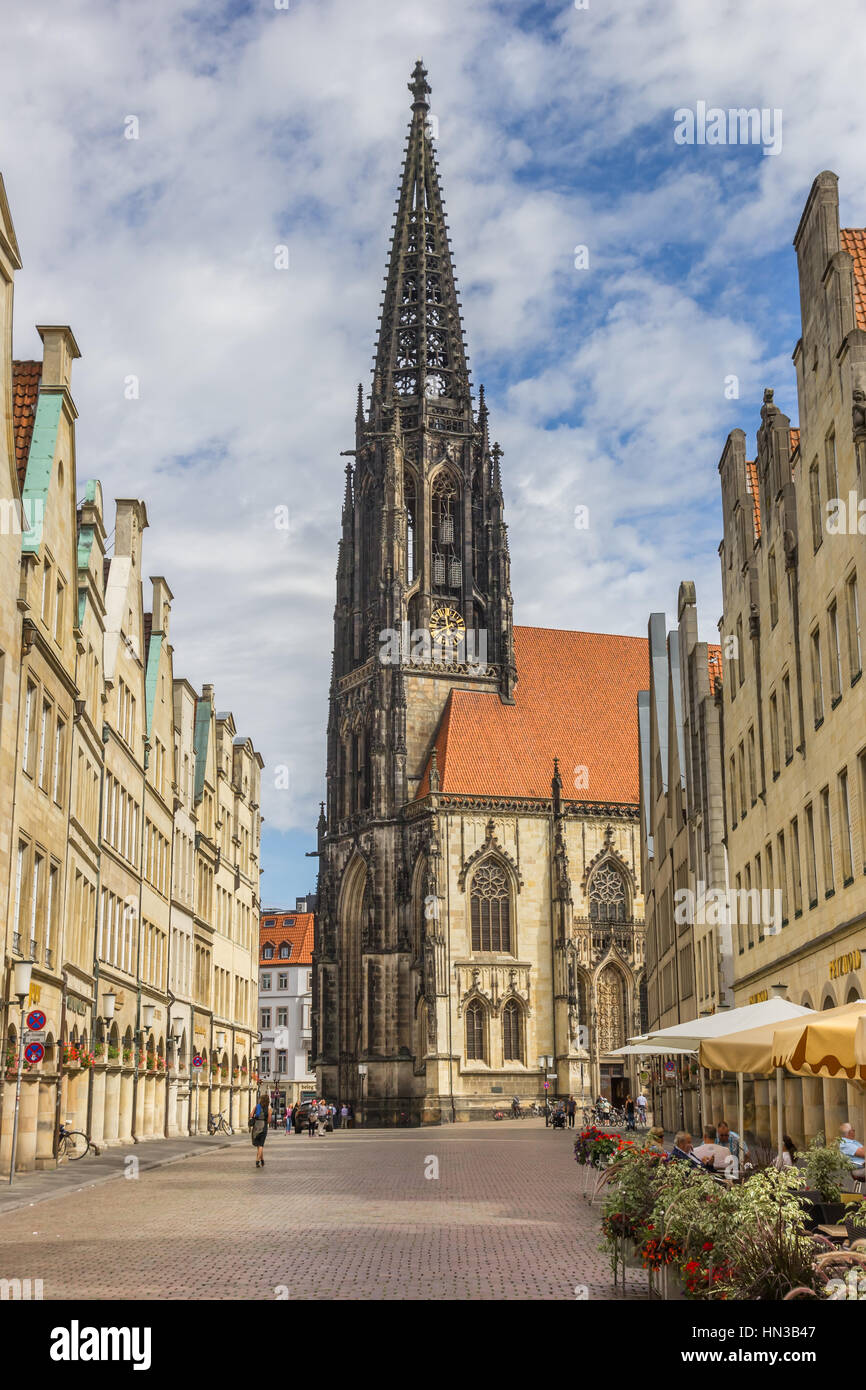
(40, 464)
(150, 676)
(202, 729)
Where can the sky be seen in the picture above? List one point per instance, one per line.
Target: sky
(156, 159)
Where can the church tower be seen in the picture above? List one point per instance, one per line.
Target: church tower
(423, 607)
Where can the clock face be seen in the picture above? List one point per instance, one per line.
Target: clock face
(446, 625)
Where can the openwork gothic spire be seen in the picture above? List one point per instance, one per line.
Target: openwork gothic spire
(420, 354)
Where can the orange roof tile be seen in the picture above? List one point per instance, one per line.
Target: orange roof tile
(26, 377)
(754, 493)
(297, 928)
(714, 664)
(795, 440)
(853, 241)
(576, 699)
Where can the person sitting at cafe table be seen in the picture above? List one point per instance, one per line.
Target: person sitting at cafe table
(683, 1150)
(851, 1147)
(730, 1139)
(712, 1155)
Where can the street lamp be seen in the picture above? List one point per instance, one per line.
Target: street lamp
(362, 1072)
(21, 973)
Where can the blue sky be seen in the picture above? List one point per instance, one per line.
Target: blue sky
(260, 127)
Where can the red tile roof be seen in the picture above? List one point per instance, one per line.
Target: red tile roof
(795, 440)
(576, 699)
(26, 377)
(853, 241)
(294, 927)
(754, 493)
(714, 664)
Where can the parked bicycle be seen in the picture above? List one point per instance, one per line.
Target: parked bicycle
(218, 1124)
(73, 1144)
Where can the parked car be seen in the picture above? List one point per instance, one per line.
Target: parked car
(302, 1116)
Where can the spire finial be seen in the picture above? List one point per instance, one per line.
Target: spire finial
(496, 455)
(419, 86)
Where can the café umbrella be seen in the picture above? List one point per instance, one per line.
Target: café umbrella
(726, 1021)
(750, 1051)
(833, 1044)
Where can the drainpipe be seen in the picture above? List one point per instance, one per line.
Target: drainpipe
(169, 994)
(13, 848)
(448, 910)
(95, 1003)
(135, 1138)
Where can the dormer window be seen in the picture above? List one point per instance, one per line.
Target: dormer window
(268, 953)
(285, 951)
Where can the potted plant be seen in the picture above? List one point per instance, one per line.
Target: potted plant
(824, 1169)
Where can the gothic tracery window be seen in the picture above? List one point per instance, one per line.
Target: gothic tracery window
(447, 566)
(611, 994)
(491, 909)
(512, 1039)
(607, 895)
(475, 1032)
(411, 526)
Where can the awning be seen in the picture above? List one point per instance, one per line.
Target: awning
(833, 1043)
(692, 1034)
(651, 1050)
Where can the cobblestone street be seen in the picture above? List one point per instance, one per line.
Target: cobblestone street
(349, 1215)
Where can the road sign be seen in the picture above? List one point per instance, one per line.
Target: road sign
(551, 1076)
(196, 1061)
(34, 1052)
(36, 1020)
(547, 1085)
(31, 1036)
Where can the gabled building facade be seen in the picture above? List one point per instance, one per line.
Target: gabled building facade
(793, 564)
(109, 784)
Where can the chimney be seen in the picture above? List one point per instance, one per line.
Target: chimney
(59, 351)
(207, 693)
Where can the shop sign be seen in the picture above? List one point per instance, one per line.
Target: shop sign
(75, 1005)
(843, 965)
(759, 998)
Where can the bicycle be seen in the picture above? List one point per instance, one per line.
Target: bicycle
(73, 1144)
(218, 1124)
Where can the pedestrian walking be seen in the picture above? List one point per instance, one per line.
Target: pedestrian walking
(313, 1118)
(344, 1115)
(324, 1116)
(641, 1109)
(259, 1128)
(572, 1111)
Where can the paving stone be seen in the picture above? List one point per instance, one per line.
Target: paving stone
(350, 1215)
